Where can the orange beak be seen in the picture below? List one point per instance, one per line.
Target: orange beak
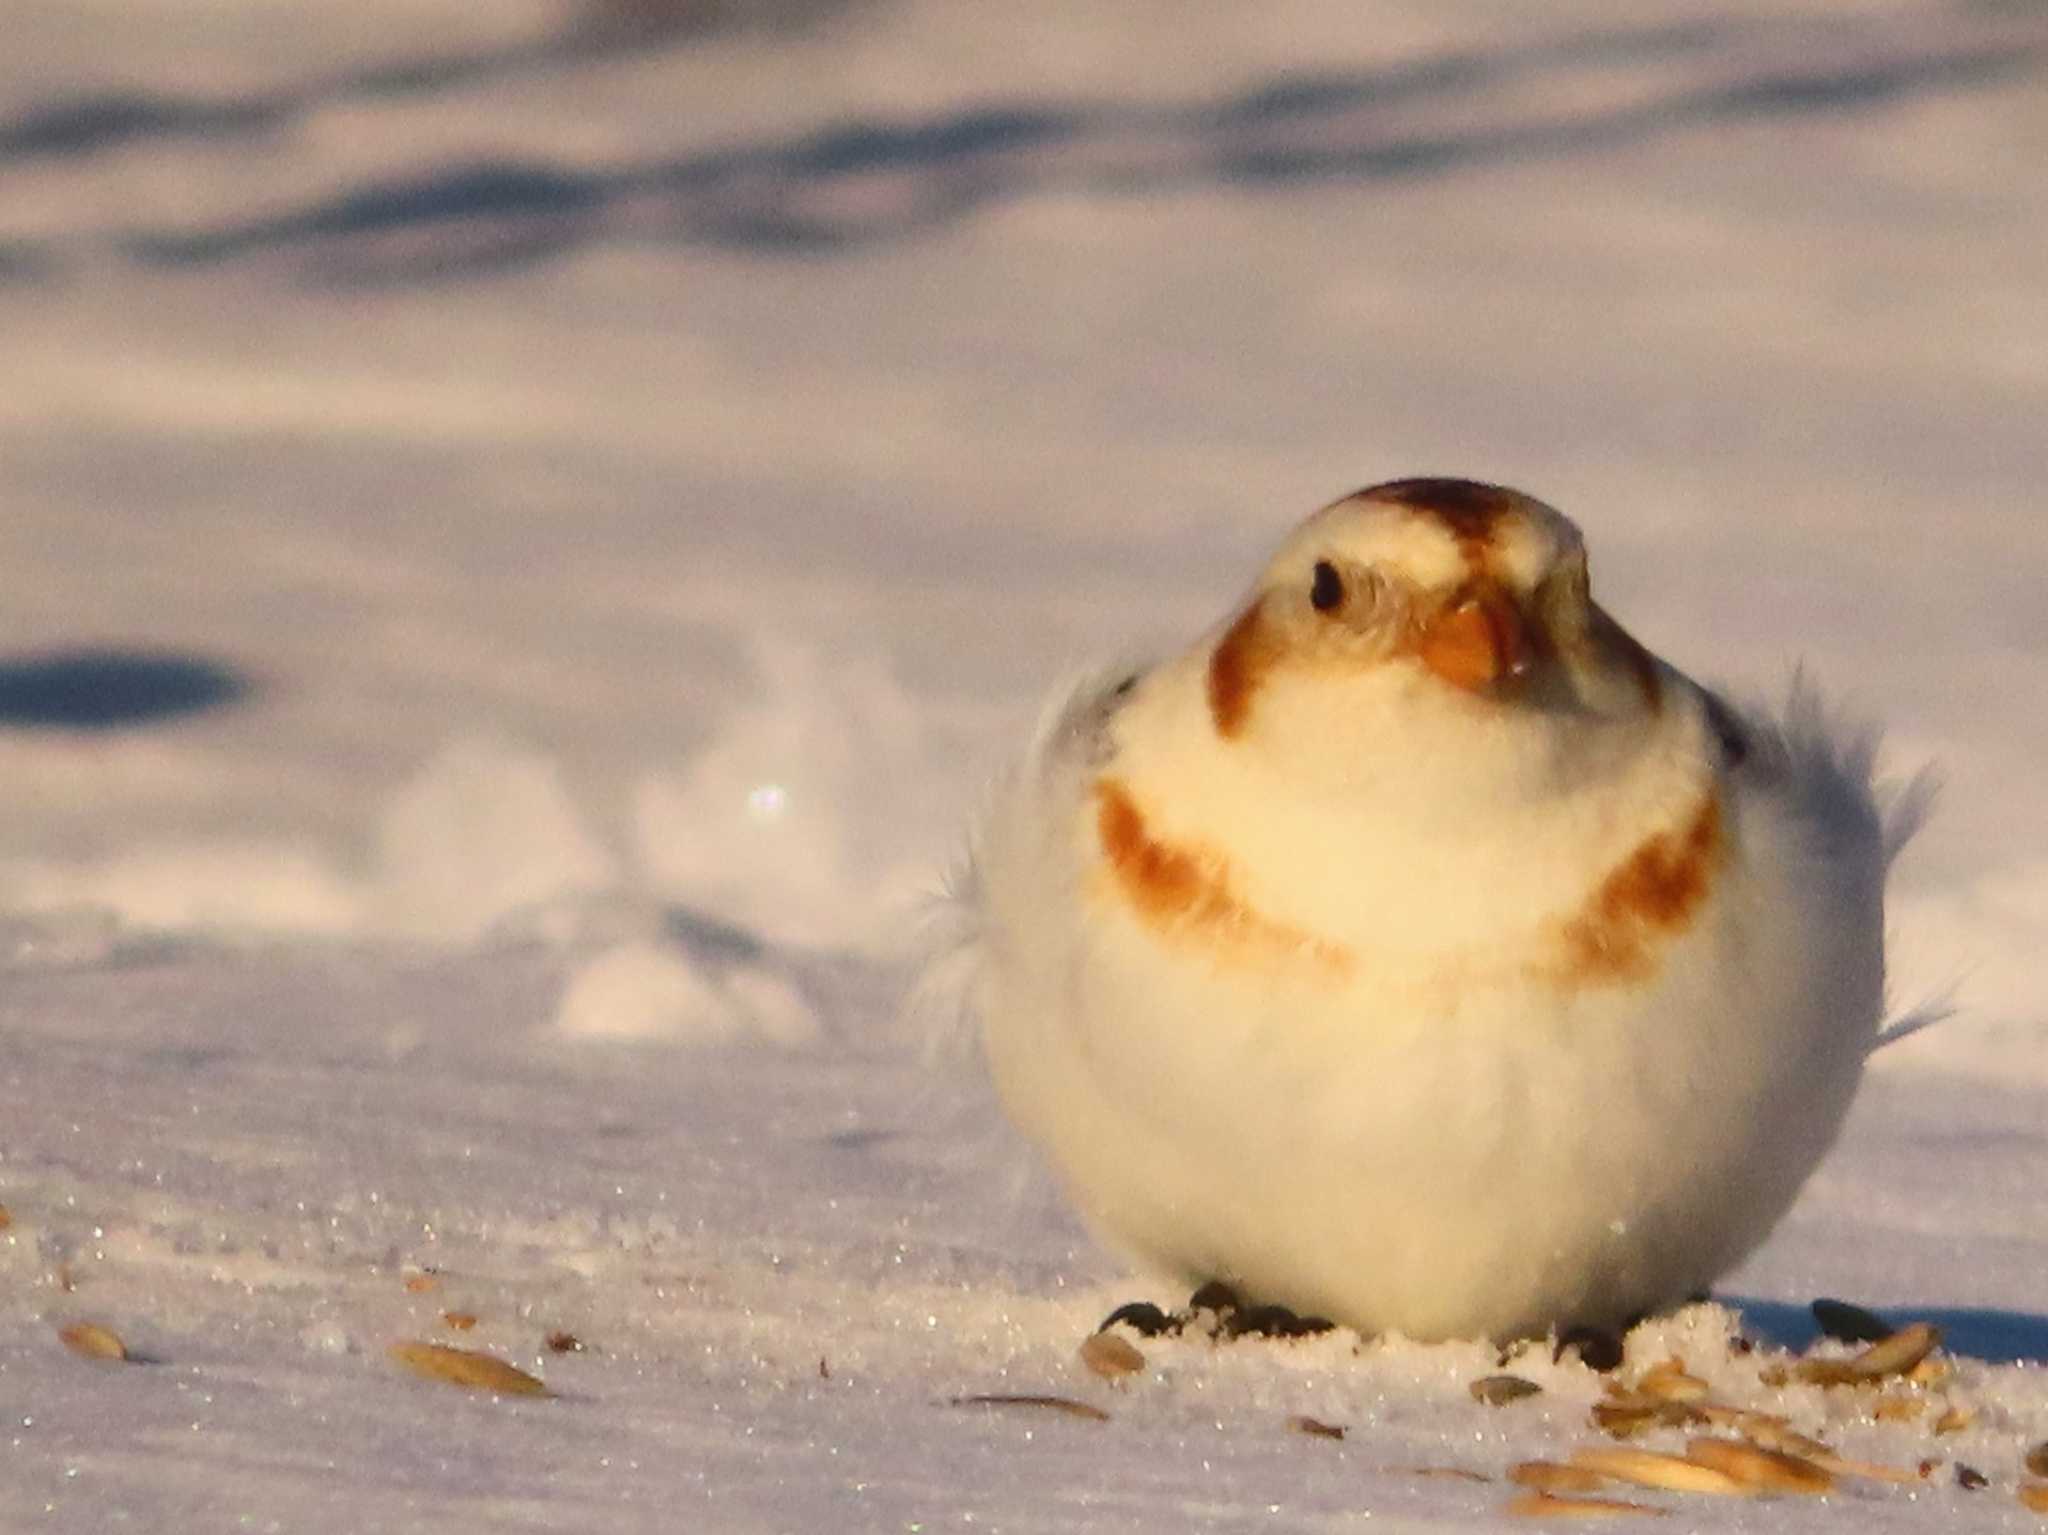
(1480, 641)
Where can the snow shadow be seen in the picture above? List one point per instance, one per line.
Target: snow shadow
(103, 689)
(872, 179)
(1975, 1332)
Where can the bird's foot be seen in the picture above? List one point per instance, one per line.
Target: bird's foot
(1216, 1311)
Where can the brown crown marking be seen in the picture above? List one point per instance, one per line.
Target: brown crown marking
(1469, 510)
(1186, 891)
(1652, 894)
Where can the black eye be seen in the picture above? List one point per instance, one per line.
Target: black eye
(1327, 590)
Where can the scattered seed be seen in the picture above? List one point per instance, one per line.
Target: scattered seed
(1765, 1470)
(1316, 1428)
(1653, 1468)
(824, 1370)
(1065, 1404)
(1668, 1382)
(1550, 1476)
(1970, 1479)
(2035, 1496)
(467, 1368)
(6, 1220)
(66, 1280)
(1499, 1390)
(1849, 1323)
(1544, 1505)
(1955, 1420)
(1110, 1356)
(93, 1341)
(419, 1284)
(2037, 1459)
(1895, 1408)
(1894, 1355)
(1142, 1317)
(461, 1321)
(569, 1343)
(1931, 1371)
(1451, 1474)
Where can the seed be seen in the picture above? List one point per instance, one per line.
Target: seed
(2037, 1459)
(1499, 1390)
(1065, 1404)
(93, 1341)
(1765, 1470)
(461, 1321)
(1970, 1479)
(467, 1368)
(2035, 1496)
(1895, 1355)
(1668, 1382)
(1652, 1468)
(1543, 1505)
(419, 1284)
(564, 1343)
(1892, 1408)
(1315, 1427)
(1549, 1476)
(1955, 1420)
(6, 1220)
(1110, 1356)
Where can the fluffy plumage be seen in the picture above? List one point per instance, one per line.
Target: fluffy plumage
(1417, 950)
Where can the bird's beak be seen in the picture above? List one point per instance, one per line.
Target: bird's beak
(1480, 641)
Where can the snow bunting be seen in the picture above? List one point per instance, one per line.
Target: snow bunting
(1419, 950)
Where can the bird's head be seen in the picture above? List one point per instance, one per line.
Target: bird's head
(1447, 614)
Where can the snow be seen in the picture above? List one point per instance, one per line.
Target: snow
(565, 524)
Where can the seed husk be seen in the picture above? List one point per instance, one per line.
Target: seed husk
(1970, 1479)
(1895, 1355)
(1065, 1404)
(1955, 1419)
(2037, 1459)
(93, 1341)
(6, 1219)
(1545, 1505)
(1110, 1356)
(1499, 1390)
(1765, 1470)
(1315, 1428)
(1895, 1408)
(1653, 1468)
(2035, 1496)
(467, 1368)
(1669, 1382)
(1551, 1476)
(461, 1321)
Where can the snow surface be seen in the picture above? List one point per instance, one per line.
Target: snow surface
(523, 539)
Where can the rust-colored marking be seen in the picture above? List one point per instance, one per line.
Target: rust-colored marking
(1468, 509)
(1651, 894)
(1188, 890)
(1237, 667)
(1617, 644)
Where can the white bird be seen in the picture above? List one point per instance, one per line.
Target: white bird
(1419, 951)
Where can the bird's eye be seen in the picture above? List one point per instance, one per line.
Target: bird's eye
(1326, 591)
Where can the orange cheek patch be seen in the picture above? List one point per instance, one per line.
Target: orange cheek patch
(1650, 896)
(1186, 892)
(1240, 662)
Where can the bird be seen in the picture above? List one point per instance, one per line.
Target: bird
(1418, 950)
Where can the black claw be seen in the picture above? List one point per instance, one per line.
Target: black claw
(1850, 1324)
(1214, 1296)
(1598, 1349)
(1273, 1322)
(1143, 1318)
